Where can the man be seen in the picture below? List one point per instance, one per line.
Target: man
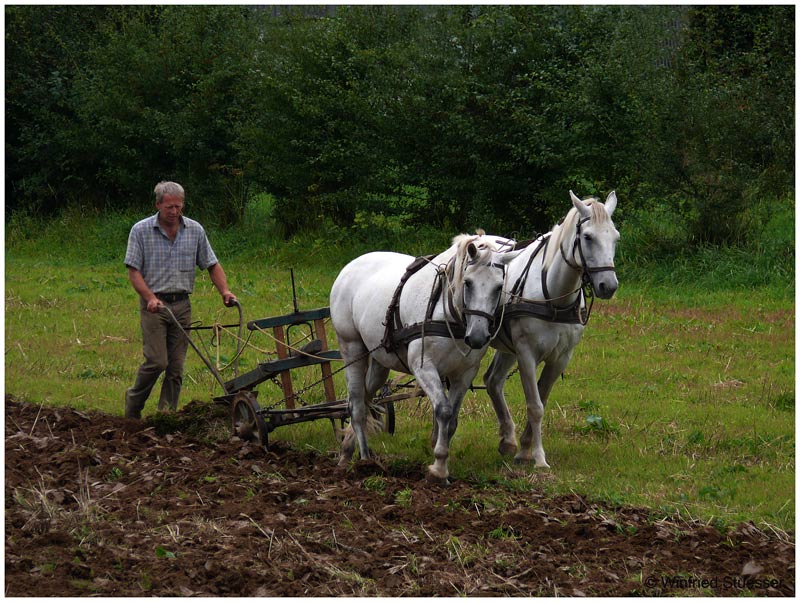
(163, 251)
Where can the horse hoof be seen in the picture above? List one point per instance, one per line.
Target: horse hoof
(435, 479)
(507, 449)
(438, 481)
(369, 467)
(539, 464)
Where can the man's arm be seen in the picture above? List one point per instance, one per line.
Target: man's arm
(140, 286)
(221, 282)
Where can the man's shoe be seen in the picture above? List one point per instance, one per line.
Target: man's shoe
(130, 410)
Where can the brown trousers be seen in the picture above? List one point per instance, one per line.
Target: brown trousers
(164, 347)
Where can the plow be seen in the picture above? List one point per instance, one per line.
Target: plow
(300, 343)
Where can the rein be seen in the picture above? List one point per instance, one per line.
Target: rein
(492, 318)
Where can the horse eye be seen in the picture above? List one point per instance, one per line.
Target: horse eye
(587, 237)
(468, 284)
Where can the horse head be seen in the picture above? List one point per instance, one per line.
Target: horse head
(596, 242)
(477, 281)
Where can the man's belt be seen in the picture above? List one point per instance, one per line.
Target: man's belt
(172, 297)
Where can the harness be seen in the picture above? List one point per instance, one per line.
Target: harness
(578, 311)
(397, 335)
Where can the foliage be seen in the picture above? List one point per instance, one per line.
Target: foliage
(43, 56)
(454, 116)
(151, 93)
(660, 245)
(730, 113)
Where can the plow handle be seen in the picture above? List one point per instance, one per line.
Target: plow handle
(212, 368)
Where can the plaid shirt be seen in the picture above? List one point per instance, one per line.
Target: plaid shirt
(168, 266)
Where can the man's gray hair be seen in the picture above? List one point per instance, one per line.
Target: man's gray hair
(164, 188)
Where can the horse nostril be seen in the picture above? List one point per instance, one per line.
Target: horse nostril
(475, 342)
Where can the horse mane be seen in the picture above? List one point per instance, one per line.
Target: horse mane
(566, 228)
(455, 267)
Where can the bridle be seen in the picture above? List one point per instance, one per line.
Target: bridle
(584, 267)
(397, 334)
(546, 309)
(460, 315)
(476, 312)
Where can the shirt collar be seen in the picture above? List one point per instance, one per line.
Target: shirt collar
(154, 222)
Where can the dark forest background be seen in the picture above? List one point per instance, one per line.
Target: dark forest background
(453, 116)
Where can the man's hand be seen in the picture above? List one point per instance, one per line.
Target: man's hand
(140, 286)
(154, 304)
(229, 299)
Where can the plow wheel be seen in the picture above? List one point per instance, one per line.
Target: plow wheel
(246, 420)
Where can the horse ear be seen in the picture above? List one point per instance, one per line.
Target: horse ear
(472, 250)
(507, 257)
(582, 207)
(611, 202)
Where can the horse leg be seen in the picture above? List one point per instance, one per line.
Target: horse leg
(435, 429)
(531, 440)
(355, 374)
(550, 373)
(495, 380)
(376, 378)
(532, 437)
(458, 388)
(431, 383)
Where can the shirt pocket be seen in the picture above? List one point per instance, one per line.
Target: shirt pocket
(186, 261)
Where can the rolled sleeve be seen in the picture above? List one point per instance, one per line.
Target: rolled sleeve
(134, 255)
(205, 254)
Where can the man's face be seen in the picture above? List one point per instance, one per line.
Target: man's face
(169, 209)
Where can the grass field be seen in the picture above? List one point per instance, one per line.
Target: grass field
(678, 400)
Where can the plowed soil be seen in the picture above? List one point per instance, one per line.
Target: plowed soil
(102, 505)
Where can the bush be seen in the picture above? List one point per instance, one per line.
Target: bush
(655, 232)
(80, 234)
(657, 245)
(769, 226)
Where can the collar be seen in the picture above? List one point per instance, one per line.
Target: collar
(154, 223)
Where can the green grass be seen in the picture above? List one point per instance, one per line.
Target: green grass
(677, 399)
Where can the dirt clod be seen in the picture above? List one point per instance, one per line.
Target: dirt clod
(101, 505)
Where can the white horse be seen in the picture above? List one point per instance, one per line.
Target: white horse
(452, 330)
(545, 312)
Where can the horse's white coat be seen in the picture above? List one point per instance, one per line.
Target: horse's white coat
(359, 300)
(534, 341)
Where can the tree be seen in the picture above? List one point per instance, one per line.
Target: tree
(459, 116)
(102, 102)
(45, 48)
(161, 98)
